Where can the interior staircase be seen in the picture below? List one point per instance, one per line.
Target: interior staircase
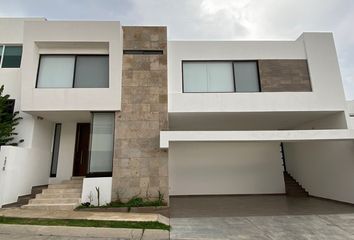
(293, 188)
(63, 196)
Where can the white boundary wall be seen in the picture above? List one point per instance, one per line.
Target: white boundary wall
(24, 168)
(88, 188)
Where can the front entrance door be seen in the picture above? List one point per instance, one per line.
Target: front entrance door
(81, 149)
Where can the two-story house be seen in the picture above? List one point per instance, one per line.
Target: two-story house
(126, 110)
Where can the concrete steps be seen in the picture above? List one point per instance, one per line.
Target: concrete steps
(23, 200)
(65, 186)
(64, 206)
(54, 200)
(58, 195)
(63, 196)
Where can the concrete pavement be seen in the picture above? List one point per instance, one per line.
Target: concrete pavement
(25, 232)
(61, 214)
(304, 227)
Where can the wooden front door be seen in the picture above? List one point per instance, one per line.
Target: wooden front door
(81, 149)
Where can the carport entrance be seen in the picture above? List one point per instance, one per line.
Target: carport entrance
(259, 217)
(253, 205)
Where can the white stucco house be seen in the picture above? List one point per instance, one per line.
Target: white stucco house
(132, 112)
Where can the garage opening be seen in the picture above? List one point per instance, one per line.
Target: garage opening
(251, 178)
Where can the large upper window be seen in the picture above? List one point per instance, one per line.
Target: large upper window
(73, 71)
(220, 76)
(10, 56)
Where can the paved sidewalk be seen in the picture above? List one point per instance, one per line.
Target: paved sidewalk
(25, 232)
(110, 216)
(304, 227)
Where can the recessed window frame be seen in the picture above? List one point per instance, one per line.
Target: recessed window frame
(233, 73)
(2, 54)
(74, 74)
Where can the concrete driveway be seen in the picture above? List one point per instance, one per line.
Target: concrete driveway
(260, 217)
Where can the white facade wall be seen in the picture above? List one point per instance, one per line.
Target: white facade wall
(332, 121)
(11, 77)
(53, 37)
(324, 168)
(317, 48)
(66, 106)
(23, 169)
(197, 168)
(351, 122)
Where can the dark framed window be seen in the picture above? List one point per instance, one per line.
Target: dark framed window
(10, 56)
(220, 76)
(73, 71)
(55, 153)
(101, 144)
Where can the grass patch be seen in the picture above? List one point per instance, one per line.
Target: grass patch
(83, 223)
(137, 202)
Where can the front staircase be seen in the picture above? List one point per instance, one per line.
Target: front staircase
(63, 196)
(24, 199)
(293, 188)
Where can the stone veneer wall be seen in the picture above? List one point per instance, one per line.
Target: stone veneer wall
(139, 165)
(284, 76)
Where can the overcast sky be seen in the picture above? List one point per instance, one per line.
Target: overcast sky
(213, 19)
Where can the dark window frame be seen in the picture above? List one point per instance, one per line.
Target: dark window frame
(74, 74)
(99, 174)
(2, 54)
(233, 73)
(52, 160)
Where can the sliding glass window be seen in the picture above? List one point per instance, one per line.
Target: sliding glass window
(91, 72)
(246, 77)
(10, 56)
(101, 151)
(220, 76)
(208, 77)
(73, 71)
(56, 72)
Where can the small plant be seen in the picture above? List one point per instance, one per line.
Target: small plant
(135, 202)
(98, 195)
(160, 199)
(8, 121)
(86, 204)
